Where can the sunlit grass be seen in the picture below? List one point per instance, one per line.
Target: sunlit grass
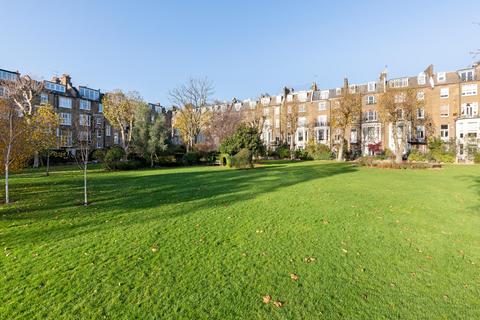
(206, 242)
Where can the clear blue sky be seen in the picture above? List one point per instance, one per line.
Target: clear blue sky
(244, 47)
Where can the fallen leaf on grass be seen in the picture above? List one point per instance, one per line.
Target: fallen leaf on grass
(154, 248)
(278, 303)
(309, 259)
(266, 299)
(293, 276)
(344, 250)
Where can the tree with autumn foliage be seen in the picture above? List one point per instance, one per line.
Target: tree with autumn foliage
(398, 109)
(119, 109)
(15, 143)
(23, 94)
(192, 116)
(191, 121)
(346, 110)
(44, 123)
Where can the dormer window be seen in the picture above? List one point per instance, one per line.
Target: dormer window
(302, 96)
(265, 101)
(372, 86)
(399, 83)
(89, 93)
(467, 75)
(324, 94)
(54, 86)
(353, 88)
(422, 78)
(441, 77)
(338, 91)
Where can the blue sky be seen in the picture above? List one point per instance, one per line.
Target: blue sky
(244, 47)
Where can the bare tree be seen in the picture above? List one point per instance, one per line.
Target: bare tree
(196, 93)
(83, 142)
(289, 120)
(222, 124)
(192, 116)
(398, 108)
(24, 92)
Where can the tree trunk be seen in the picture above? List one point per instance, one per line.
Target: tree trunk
(292, 147)
(342, 145)
(340, 151)
(85, 200)
(398, 146)
(36, 160)
(151, 161)
(47, 173)
(7, 197)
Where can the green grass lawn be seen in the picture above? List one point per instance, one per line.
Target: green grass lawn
(208, 242)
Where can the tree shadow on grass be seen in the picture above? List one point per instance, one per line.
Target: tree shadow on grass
(127, 194)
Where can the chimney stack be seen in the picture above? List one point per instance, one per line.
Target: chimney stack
(66, 80)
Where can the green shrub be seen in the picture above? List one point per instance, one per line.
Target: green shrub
(98, 155)
(283, 152)
(127, 165)
(417, 156)
(318, 151)
(114, 154)
(245, 137)
(226, 160)
(302, 154)
(476, 158)
(190, 158)
(242, 160)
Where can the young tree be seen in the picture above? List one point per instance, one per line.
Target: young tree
(149, 133)
(289, 120)
(119, 110)
(43, 136)
(83, 142)
(345, 111)
(15, 146)
(24, 93)
(398, 108)
(190, 121)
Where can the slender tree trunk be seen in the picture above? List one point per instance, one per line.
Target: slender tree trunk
(85, 200)
(398, 146)
(47, 173)
(292, 146)
(151, 161)
(340, 148)
(7, 197)
(36, 160)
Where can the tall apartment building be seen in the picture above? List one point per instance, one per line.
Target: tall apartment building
(451, 105)
(80, 111)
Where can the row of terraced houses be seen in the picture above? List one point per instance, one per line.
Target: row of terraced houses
(450, 101)
(78, 107)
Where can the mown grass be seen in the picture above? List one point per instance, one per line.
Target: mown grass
(206, 242)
